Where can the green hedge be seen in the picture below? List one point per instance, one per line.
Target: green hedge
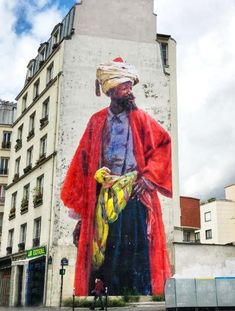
(158, 298)
(86, 303)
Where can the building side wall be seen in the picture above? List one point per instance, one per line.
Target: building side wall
(196, 260)
(79, 103)
(190, 212)
(230, 192)
(124, 19)
(209, 225)
(226, 223)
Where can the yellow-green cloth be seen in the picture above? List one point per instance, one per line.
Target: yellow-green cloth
(114, 195)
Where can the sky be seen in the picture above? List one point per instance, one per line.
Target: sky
(205, 77)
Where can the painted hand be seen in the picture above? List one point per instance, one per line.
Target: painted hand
(76, 233)
(141, 186)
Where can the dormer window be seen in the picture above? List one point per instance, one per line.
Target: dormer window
(42, 53)
(30, 70)
(56, 35)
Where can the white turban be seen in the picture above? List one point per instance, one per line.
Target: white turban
(115, 72)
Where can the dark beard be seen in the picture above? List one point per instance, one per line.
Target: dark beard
(127, 103)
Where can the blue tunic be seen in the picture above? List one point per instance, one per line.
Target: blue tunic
(126, 265)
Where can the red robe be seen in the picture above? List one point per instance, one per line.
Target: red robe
(152, 150)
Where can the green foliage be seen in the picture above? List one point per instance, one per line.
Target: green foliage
(130, 295)
(158, 298)
(86, 302)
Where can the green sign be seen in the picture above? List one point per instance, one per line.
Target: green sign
(36, 252)
(62, 271)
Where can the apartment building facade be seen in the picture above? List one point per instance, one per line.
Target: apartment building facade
(53, 109)
(7, 114)
(218, 219)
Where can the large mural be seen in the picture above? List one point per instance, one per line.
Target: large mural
(121, 164)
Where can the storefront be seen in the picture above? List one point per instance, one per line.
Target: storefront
(5, 280)
(28, 273)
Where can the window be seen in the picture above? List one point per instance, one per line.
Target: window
(23, 231)
(26, 192)
(42, 53)
(6, 140)
(36, 89)
(56, 35)
(4, 166)
(2, 193)
(17, 166)
(38, 192)
(25, 199)
(24, 102)
(207, 216)
(29, 156)
(31, 126)
(37, 232)
(208, 234)
(164, 50)
(43, 146)
(31, 122)
(186, 236)
(49, 73)
(19, 138)
(13, 203)
(10, 241)
(45, 108)
(40, 181)
(30, 70)
(20, 132)
(197, 236)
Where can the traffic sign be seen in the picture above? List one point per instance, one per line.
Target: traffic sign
(64, 262)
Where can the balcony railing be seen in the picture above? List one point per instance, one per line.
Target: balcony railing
(36, 242)
(18, 144)
(30, 134)
(3, 171)
(9, 250)
(24, 205)
(6, 145)
(12, 213)
(41, 159)
(37, 199)
(21, 246)
(43, 122)
(27, 168)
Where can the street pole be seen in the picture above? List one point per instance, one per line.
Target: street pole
(106, 298)
(73, 306)
(61, 284)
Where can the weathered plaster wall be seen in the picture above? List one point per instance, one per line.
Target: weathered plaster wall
(198, 260)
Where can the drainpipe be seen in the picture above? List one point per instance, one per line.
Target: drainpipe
(52, 201)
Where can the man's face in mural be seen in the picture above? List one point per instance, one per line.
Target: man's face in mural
(122, 95)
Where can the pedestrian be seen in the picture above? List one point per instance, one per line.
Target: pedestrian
(98, 292)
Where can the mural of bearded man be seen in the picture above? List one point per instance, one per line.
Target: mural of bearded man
(123, 160)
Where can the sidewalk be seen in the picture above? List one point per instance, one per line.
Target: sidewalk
(140, 306)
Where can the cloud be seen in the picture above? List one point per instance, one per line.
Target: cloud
(206, 65)
(18, 47)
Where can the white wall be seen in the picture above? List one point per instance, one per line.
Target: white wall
(197, 260)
